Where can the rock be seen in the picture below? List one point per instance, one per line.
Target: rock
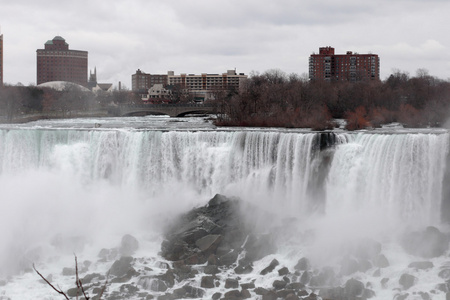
(216, 296)
(261, 291)
(248, 286)
(152, 284)
(292, 297)
(366, 248)
(271, 295)
(121, 266)
(94, 277)
(216, 233)
(243, 269)
(421, 265)
(303, 264)
(279, 284)
(407, 281)
(295, 286)
(283, 271)
(233, 294)
(428, 243)
(231, 283)
(270, 267)
(444, 274)
(128, 245)
(377, 273)
(211, 270)
(245, 294)
(381, 261)
(384, 282)
(207, 282)
(306, 277)
(353, 288)
(188, 291)
(326, 277)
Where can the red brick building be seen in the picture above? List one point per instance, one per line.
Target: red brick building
(143, 81)
(57, 63)
(350, 66)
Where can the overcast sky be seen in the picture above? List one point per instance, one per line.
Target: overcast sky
(212, 36)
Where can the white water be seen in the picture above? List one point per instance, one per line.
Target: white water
(97, 185)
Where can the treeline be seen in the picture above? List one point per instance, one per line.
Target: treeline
(277, 99)
(28, 100)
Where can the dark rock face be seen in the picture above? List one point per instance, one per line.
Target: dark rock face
(121, 266)
(303, 264)
(216, 233)
(428, 243)
(270, 267)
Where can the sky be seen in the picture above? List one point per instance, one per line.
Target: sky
(205, 36)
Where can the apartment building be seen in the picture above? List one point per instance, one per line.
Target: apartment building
(351, 66)
(204, 86)
(56, 62)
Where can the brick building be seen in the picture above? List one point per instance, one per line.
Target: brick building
(57, 63)
(1, 59)
(337, 67)
(141, 81)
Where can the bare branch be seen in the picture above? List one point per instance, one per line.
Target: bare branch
(58, 291)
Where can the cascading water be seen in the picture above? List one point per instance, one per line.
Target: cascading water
(97, 184)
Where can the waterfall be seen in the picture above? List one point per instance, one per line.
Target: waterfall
(399, 173)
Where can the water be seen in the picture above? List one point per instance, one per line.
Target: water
(79, 185)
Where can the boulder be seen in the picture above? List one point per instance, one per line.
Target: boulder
(216, 233)
(121, 266)
(380, 261)
(303, 264)
(207, 282)
(353, 288)
(407, 281)
(128, 245)
(428, 243)
(270, 267)
(279, 284)
(231, 283)
(283, 271)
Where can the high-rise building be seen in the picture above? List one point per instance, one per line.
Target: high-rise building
(1, 59)
(57, 63)
(350, 66)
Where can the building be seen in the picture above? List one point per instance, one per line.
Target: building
(57, 63)
(204, 86)
(142, 81)
(337, 67)
(1, 60)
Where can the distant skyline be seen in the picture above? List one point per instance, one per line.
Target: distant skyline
(200, 36)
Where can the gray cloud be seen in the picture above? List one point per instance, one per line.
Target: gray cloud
(212, 36)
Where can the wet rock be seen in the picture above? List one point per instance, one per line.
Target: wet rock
(292, 297)
(306, 277)
(377, 273)
(231, 283)
(366, 248)
(279, 284)
(94, 277)
(121, 266)
(228, 258)
(421, 265)
(444, 274)
(403, 296)
(384, 282)
(188, 291)
(283, 271)
(152, 284)
(303, 264)
(407, 281)
(243, 268)
(326, 277)
(233, 294)
(354, 288)
(248, 286)
(211, 270)
(245, 294)
(261, 291)
(128, 245)
(271, 295)
(270, 267)
(207, 282)
(283, 293)
(295, 286)
(216, 296)
(428, 243)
